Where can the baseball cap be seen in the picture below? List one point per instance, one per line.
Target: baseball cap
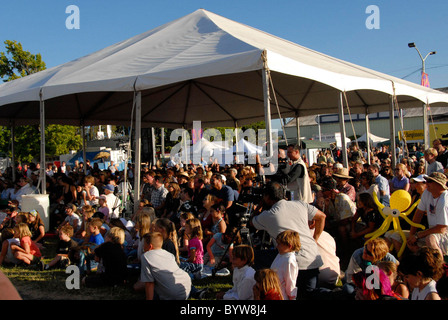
(109, 187)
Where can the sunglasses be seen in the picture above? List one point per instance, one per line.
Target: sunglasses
(368, 252)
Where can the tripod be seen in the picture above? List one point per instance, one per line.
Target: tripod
(244, 232)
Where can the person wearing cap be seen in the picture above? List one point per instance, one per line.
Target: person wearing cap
(382, 182)
(342, 177)
(433, 203)
(113, 202)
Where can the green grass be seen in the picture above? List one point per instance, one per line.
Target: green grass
(33, 284)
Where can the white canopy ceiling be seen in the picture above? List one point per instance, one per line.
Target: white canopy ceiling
(201, 67)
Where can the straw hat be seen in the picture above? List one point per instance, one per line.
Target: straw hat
(439, 178)
(342, 173)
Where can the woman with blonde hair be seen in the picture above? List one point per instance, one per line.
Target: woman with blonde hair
(400, 181)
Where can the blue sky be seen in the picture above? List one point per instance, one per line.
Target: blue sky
(336, 28)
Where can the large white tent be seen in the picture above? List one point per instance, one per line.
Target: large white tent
(202, 67)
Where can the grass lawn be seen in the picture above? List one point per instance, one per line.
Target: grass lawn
(33, 284)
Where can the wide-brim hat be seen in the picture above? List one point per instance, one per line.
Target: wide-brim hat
(439, 178)
(342, 173)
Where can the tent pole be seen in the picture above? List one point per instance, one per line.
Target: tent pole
(138, 141)
(237, 156)
(392, 131)
(153, 143)
(84, 155)
(162, 142)
(267, 113)
(42, 175)
(425, 126)
(298, 130)
(368, 136)
(342, 128)
(13, 156)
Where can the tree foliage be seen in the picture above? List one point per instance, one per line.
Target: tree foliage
(16, 63)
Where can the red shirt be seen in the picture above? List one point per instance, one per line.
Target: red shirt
(34, 250)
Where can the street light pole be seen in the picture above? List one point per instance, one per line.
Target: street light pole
(412, 45)
(425, 110)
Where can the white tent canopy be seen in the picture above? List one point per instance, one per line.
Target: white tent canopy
(201, 66)
(373, 138)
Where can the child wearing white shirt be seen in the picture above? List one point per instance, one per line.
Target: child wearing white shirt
(285, 263)
(243, 275)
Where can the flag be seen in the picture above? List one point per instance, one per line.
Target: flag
(425, 80)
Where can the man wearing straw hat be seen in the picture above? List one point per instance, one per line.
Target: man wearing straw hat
(433, 203)
(342, 177)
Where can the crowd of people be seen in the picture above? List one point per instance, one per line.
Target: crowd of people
(310, 226)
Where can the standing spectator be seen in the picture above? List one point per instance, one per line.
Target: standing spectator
(285, 264)
(432, 164)
(296, 175)
(442, 152)
(383, 184)
(158, 195)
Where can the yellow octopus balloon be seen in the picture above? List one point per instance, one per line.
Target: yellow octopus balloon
(400, 200)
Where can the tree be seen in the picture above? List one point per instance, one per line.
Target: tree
(16, 63)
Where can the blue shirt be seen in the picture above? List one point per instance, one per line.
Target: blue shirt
(383, 185)
(97, 239)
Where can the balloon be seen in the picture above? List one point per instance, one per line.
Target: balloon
(400, 200)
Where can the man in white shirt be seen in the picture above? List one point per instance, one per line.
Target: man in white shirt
(113, 202)
(434, 202)
(25, 188)
(295, 175)
(294, 215)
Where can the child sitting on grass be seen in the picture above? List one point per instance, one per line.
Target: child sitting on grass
(28, 252)
(195, 262)
(112, 259)
(6, 254)
(64, 245)
(243, 275)
(161, 275)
